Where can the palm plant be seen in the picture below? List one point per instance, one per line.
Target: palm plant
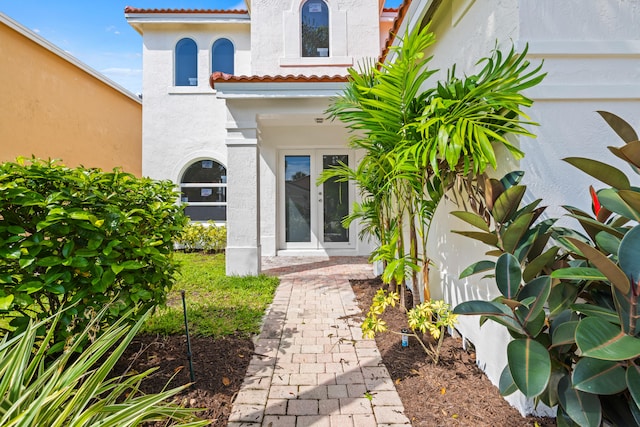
(420, 144)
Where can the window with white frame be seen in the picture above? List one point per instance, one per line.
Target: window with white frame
(186, 63)
(314, 27)
(203, 189)
(222, 56)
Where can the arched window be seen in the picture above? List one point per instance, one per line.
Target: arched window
(186, 67)
(222, 56)
(314, 25)
(203, 189)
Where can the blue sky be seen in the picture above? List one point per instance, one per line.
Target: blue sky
(95, 31)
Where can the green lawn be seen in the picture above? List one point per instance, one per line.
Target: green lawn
(217, 305)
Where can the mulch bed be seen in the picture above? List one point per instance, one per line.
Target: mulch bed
(453, 393)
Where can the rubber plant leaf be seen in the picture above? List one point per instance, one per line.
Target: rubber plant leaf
(631, 198)
(508, 275)
(578, 273)
(536, 265)
(507, 203)
(493, 189)
(530, 366)
(611, 200)
(513, 234)
(601, 171)
(633, 382)
(583, 408)
(600, 339)
(473, 219)
(478, 267)
(598, 376)
(616, 276)
(620, 126)
(539, 288)
(632, 152)
(488, 238)
(564, 334)
(506, 384)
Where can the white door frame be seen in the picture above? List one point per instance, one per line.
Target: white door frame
(316, 240)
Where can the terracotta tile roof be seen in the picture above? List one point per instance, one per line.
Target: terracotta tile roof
(131, 9)
(402, 11)
(390, 9)
(290, 78)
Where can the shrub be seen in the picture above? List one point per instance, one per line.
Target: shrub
(76, 390)
(206, 237)
(569, 299)
(76, 239)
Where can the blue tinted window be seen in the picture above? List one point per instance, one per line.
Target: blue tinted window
(222, 54)
(315, 28)
(186, 63)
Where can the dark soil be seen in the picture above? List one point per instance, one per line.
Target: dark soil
(453, 393)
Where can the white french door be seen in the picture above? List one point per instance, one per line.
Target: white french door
(310, 216)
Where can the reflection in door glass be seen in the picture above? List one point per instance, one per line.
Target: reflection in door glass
(297, 197)
(335, 201)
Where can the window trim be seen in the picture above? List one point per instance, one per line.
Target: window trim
(182, 185)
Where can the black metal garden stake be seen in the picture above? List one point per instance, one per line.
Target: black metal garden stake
(186, 328)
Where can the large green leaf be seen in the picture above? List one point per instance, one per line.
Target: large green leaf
(535, 266)
(610, 199)
(482, 308)
(564, 334)
(597, 311)
(507, 203)
(561, 297)
(629, 256)
(583, 408)
(620, 126)
(513, 234)
(578, 273)
(488, 238)
(539, 290)
(473, 219)
(631, 198)
(478, 267)
(626, 311)
(601, 171)
(600, 339)
(506, 384)
(598, 376)
(530, 366)
(633, 382)
(616, 276)
(508, 275)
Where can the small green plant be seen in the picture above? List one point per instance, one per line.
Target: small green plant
(569, 299)
(75, 389)
(75, 239)
(207, 237)
(430, 316)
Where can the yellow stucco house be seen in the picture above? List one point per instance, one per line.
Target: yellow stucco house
(54, 106)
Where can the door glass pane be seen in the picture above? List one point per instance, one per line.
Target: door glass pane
(297, 197)
(335, 202)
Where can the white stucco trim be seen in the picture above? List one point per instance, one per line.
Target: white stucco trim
(333, 61)
(135, 19)
(278, 90)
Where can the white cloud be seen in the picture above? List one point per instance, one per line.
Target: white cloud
(112, 29)
(117, 71)
(240, 5)
(36, 30)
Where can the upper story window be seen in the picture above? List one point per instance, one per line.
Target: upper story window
(203, 189)
(186, 67)
(222, 56)
(314, 27)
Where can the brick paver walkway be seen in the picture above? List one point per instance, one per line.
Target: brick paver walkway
(311, 365)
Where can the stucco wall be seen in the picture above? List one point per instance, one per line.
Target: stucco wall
(52, 108)
(592, 57)
(184, 123)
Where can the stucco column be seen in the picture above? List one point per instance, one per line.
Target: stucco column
(243, 206)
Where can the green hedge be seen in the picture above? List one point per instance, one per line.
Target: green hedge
(83, 238)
